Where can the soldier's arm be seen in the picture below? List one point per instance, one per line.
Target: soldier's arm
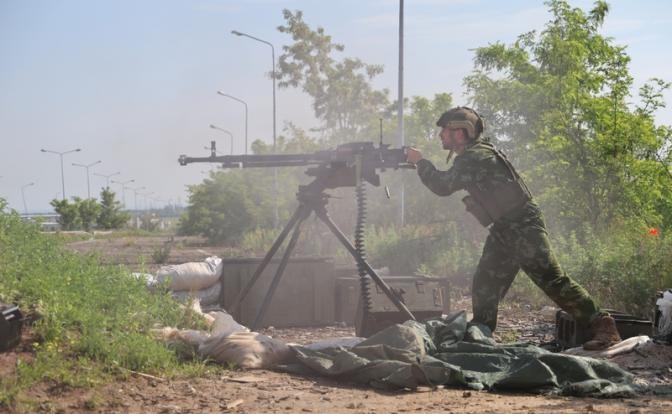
(442, 183)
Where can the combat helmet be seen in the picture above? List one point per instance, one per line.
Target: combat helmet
(463, 117)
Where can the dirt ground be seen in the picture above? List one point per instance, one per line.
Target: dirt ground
(262, 391)
(137, 253)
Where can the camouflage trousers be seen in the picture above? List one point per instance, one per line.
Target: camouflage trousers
(523, 244)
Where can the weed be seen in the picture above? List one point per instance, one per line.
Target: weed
(160, 254)
(92, 317)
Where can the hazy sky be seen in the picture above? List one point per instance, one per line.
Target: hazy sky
(133, 83)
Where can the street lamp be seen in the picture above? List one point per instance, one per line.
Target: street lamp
(400, 99)
(226, 131)
(87, 166)
(61, 154)
(237, 33)
(146, 196)
(23, 196)
(123, 189)
(275, 170)
(244, 103)
(135, 197)
(107, 177)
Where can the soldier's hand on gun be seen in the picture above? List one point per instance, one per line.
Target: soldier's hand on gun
(413, 155)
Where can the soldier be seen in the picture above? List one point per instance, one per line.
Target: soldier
(518, 239)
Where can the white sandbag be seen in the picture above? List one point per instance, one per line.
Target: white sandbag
(665, 307)
(191, 276)
(249, 350)
(207, 296)
(627, 345)
(225, 325)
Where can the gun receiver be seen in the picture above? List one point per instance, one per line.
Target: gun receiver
(341, 164)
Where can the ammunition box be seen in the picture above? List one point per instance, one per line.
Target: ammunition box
(11, 321)
(425, 297)
(569, 335)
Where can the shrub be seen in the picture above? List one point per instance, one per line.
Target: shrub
(621, 269)
(160, 255)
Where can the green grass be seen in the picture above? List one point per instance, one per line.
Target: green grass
(91, 321)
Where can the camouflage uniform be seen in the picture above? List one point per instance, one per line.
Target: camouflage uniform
(517, 239)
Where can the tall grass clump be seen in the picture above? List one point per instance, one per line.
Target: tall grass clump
(622, 269)
(91, 322)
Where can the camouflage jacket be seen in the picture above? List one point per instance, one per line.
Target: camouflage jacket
(492, 182)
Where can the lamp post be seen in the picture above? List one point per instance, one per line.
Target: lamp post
(237, 33)
(107, 177)
(61, 154)
(275, 170)
(244, 103)
(226, 131)
(146, 196)
(400, 99)
(123, 189)
(135, 197)
(23, 196)
(87, 166)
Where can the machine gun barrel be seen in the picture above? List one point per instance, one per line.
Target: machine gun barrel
(251, 161)
(366, 153)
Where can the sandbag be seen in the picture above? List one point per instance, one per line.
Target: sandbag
(207, 296)
(224, 325)
(664, 304)
(191, 276)
(250, 350)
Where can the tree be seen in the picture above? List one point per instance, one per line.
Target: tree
(221, 208)
(111, 215)
(343, 98)
(68, 214)
(88, 209)
(558, 102)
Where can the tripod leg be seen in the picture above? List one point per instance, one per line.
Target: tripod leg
(324, 216)
(269, 255)
(278, 274)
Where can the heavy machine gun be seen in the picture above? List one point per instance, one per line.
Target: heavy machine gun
(348, 165)
(343, 166)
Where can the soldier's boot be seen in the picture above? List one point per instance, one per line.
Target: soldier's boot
(604, 333)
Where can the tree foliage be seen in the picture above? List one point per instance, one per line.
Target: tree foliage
(68, 214)
(343, 97)
(559, 102)
(88, 212)
(111, 215)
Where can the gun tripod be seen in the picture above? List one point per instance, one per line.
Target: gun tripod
(313, 199)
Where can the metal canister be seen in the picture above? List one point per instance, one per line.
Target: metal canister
(11, 321)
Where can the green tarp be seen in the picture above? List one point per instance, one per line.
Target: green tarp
(451, 352)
